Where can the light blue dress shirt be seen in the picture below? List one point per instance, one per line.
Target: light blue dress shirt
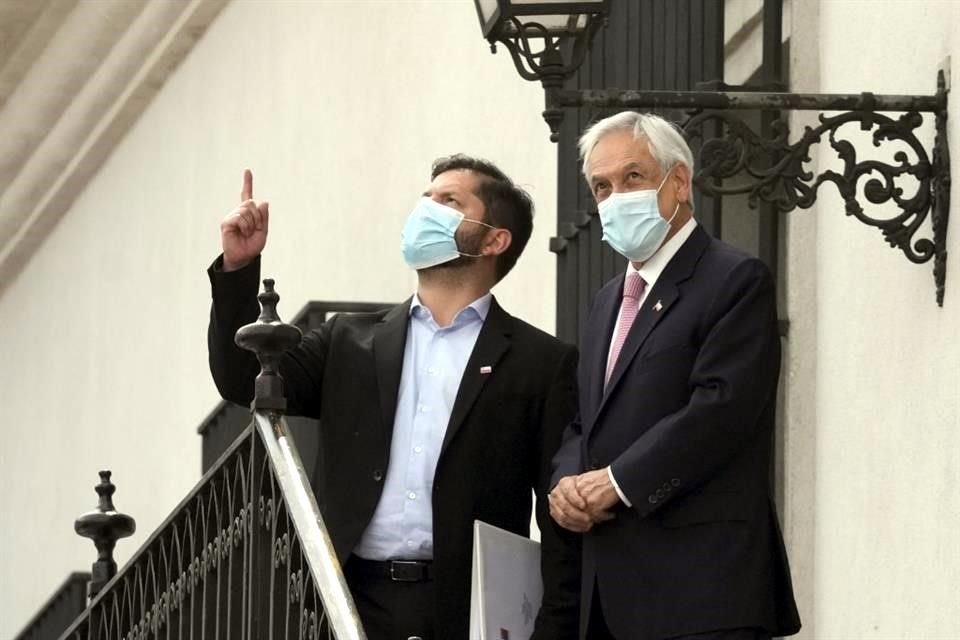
(434, 360)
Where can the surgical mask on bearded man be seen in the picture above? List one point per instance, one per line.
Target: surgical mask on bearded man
(429, 238)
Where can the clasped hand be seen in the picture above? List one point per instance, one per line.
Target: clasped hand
(579, 502)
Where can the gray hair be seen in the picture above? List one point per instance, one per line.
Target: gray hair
(667, 145)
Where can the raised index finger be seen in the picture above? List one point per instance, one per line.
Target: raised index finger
(247, 192)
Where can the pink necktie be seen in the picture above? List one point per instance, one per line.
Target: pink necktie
(632, 290)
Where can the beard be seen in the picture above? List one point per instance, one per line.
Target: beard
(467, 242)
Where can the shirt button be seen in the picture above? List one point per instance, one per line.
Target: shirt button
(412, 495)
(417, 449)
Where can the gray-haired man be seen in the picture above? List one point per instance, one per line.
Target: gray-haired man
(667, 469)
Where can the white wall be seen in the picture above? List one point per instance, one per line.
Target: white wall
(339, 107)
(888, 394)
(871, 401)
(103, 332)
(799, 373)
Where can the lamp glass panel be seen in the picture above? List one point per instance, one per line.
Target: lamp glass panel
(487, 8)
(578, 6)
(518, 2)
(554, 23)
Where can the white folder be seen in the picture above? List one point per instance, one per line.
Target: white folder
(506, 587)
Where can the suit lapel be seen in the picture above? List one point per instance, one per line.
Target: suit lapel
(389, 341)
(655, 307)
(492, 343)
(657, 304)
(608, 306)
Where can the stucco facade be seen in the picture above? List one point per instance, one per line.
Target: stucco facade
(339, 107)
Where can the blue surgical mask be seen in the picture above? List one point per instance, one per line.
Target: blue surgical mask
(429, 235)
(632, 223)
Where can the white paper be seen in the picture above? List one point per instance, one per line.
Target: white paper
(506, 588)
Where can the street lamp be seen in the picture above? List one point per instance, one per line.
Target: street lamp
(547, 39)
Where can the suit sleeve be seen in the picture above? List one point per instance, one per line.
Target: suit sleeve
(567, 461)
(732, 382)
(560, 549)
(234, 304)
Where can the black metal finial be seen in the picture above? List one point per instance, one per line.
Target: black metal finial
(269, 338)
(552, 78)
(104, 526)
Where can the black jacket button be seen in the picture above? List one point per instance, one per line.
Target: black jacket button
(377, 475)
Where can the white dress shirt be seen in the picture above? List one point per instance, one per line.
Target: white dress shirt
(434, 359)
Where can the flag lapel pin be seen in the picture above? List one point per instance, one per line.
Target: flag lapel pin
(486, 370)
(658, 307)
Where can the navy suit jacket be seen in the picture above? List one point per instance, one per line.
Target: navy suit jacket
(686, 424)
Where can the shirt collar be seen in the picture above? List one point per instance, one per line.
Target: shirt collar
(480, 306)
(651, 269)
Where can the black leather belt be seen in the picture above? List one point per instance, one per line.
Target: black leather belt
(396, 570)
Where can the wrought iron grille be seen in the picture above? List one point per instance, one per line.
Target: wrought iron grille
(245, 555)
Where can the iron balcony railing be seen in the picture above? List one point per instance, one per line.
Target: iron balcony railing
(244, 556)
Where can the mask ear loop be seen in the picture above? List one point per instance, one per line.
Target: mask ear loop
(663, 182)
(474, 255)
(675, 210)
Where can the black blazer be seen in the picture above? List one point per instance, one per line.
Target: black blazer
(686, 424)
(503, 431)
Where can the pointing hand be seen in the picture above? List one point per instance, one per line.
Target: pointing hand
(243, 233)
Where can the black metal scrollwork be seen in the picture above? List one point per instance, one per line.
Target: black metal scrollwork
(216, 568)
(209, 572)
(779, 176)
(537, 54)
(775, 171)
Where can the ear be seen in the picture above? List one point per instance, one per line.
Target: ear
(497, 241)
(680, 178)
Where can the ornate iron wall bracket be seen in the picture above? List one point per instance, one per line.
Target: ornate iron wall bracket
(773, 169)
